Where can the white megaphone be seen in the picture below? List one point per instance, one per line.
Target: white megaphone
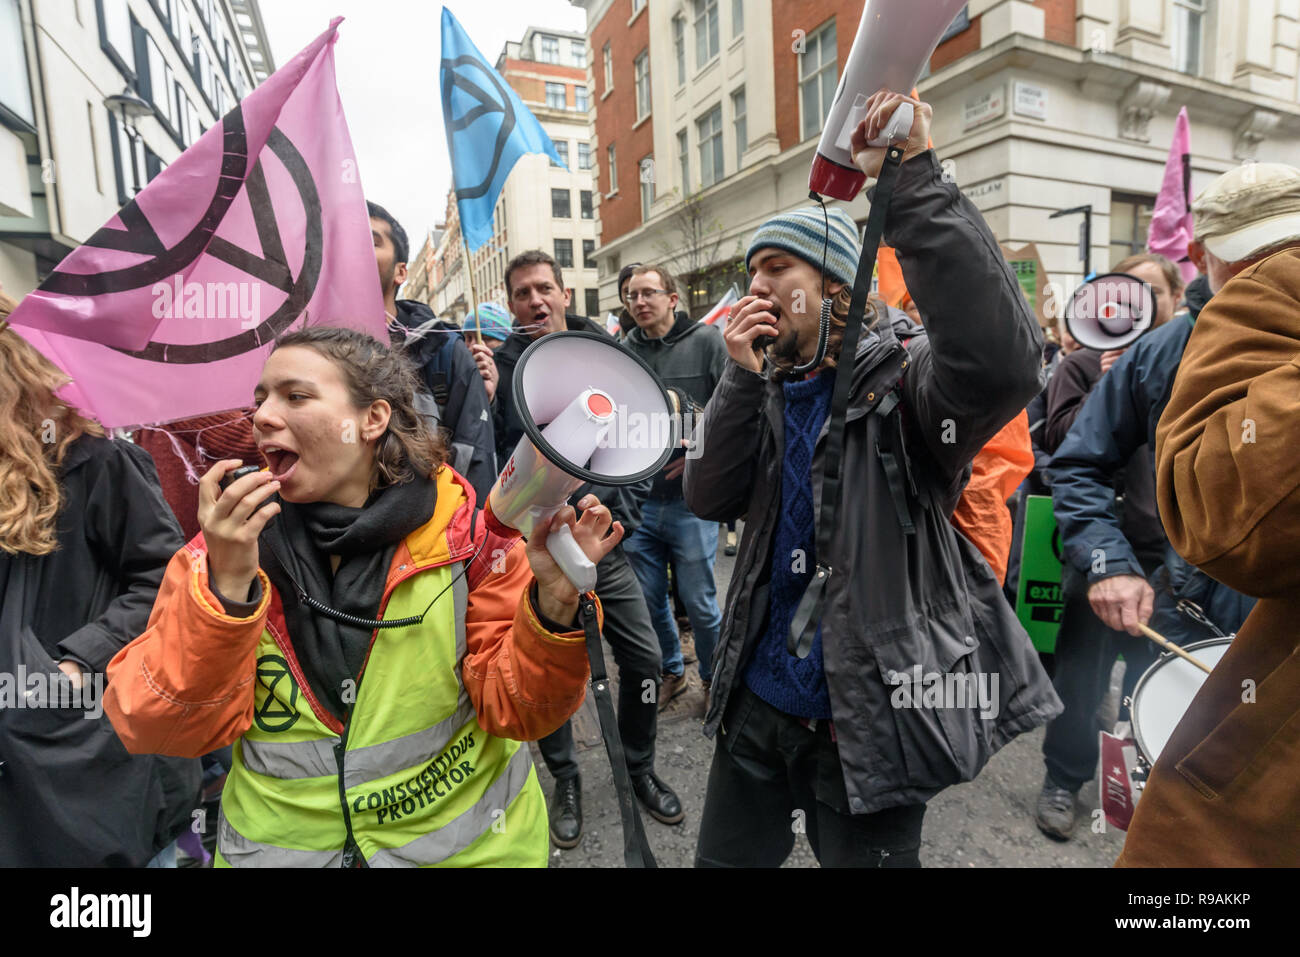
(1110, 311)
(894, 42)
(592, 412)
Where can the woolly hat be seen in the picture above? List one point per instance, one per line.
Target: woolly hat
(802, 232)
(495, 322)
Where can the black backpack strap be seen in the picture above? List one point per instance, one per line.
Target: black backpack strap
(808, 614)
(890, 448)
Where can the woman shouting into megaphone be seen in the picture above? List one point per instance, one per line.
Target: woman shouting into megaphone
(376, 653)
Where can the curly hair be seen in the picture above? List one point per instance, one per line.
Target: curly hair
(372, 371)
(36, 429)
(783, 366)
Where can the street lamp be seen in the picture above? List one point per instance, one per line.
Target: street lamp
(128, 107)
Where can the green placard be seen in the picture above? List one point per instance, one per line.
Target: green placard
(1026, 271)
(1039, 601)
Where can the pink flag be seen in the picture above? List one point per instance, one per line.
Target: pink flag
(170, 310)
(1171, 223)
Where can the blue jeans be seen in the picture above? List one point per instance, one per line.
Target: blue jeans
(669, 531)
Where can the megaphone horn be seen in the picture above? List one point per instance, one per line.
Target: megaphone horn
(592, 412)
(1110, 311)
(894, 41)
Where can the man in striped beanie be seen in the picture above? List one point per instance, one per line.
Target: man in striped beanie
(847, 743)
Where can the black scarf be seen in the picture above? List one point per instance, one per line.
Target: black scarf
(295, 551)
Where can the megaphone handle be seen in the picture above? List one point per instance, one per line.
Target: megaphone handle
(898, 127)
(573, 561)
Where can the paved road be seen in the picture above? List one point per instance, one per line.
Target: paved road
(986, 823)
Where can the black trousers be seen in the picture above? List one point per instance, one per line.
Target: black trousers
(631, 636)
(772, 778)
(1086, 650)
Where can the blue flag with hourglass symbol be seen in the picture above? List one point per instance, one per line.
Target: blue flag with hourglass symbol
(488, 129)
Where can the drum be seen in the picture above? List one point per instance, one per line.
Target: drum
(1164, 693)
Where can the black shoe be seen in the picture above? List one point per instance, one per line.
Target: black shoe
(1055, 812)
(658, 799)
(566, 812)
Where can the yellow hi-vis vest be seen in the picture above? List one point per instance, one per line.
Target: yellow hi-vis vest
(412, 780)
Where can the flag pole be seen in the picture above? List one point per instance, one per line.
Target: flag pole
(469, 278)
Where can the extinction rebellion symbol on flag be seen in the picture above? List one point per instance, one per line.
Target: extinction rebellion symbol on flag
(270, 265)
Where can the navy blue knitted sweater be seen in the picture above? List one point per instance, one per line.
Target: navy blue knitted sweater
(795, 686)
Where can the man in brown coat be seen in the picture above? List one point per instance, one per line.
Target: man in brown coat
(1226, 789)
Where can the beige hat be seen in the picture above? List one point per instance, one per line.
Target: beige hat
(1249, 209)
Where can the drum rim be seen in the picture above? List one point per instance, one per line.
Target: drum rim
(1165, 658)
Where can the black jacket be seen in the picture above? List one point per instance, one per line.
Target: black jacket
(895, 600)
(441, 351)
(70, 794)
(690, 358)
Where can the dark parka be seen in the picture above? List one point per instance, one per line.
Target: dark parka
(895, 600)
(442, 350)
(70, 794)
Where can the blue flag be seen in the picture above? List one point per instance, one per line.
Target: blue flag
(488, 129)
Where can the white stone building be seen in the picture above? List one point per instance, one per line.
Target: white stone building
(68, 161)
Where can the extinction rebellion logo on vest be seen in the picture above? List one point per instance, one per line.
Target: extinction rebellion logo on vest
(274, 714)
(76, 910)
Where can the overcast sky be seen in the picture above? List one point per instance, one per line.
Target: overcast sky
(387, 61)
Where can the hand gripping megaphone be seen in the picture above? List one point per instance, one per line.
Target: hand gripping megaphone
(1110, 311)
(894, 41)
(592, 412)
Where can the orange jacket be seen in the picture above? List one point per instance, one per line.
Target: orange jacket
(185, 686)
(996, 472)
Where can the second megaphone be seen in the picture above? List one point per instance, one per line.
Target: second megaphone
(894, 41)
(1110, 311)
(592, 413)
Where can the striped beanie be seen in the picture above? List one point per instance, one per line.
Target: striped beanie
(803, 233)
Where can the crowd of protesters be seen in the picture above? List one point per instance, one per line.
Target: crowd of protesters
(339, 658)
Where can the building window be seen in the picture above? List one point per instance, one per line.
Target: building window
(609, 67)
(560, 207)
(94, 148)
(817, 79)
(593, 302)
(742, 126)
(708, 130)
(584, 204)
(1189, 21)
(580, 99)
(589, 254)
(578, 51)
(684, 160)
(642, 67)
(562, 149)
(637, 5)
(584, 156)
(647, 176)
(1130, 221)
(610, 159)
(706, 31)
(564, 253)
(15, 88)
(679, 47)
(115, 34)
(555, 96)
(550, 50)
(737, 17)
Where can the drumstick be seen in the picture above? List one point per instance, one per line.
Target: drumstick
(1168, 645)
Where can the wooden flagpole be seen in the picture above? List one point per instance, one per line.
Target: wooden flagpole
(469, 278)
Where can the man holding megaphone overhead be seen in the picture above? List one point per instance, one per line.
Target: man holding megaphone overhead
(848, 493)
